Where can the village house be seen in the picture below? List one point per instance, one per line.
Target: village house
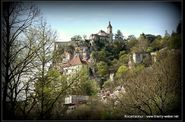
(72, 62)
(73, 66)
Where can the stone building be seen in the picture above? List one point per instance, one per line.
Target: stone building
(139, 56)
(73, 66)
(60, 44)
(102, 35)
(153, 55)
(73, 101)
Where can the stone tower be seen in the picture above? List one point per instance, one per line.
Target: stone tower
(109, 31)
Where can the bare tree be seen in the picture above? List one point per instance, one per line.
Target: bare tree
(17, 17)
(153, 91)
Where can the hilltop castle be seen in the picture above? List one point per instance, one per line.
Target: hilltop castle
(72, 63)
(102, 35)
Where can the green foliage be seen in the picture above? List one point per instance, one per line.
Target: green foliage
(141, 45)
(149, 49)
(108, 84)
(99, 55)
(132, 41)
(156, 44)
(175, 41)
(99, 44)
(70, 49)
(179, 26)
(123, 59)
(90, 87)
(102, 69)
(131, 37)
(102, 55)
(47, 91)
(164, 42)
(110, 52)
(122, 53)
(107, 51)
(138, 68)
(51, 84)
(153, 90)
(115, 64)
(58, 54)
(121, 70)
(166, 34)
(113, 49)
(119, 46)
(84, 85)
(76, 38)
(119, 36)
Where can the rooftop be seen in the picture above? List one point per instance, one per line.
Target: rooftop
(76, 60)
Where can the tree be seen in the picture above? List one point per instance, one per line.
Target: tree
(58, 54)
(99, 44)
(70, 49)
(84, 85)
(156, 44)
(121, 70)
(84, 37)
(77, 39)
(141, 45)
(102, 71)
(16, 17)
(166, 34)
(119, 36)
(131, 37)
(165, 40)
(123, 59)
(154, 90)
(175, 39)
(46, 94)
(178, 30)
(100, 55)
(49, 84)
(115, 64)
(45, 38)
(116, 48)
(131, 41)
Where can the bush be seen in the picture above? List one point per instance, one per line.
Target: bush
(121, 70)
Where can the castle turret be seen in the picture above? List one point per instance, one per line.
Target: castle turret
(109, 31)
(109, 28)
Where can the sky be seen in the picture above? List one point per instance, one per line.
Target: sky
(132, 18)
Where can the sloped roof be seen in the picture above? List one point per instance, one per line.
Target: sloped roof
(102, 33)
(76, 60)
